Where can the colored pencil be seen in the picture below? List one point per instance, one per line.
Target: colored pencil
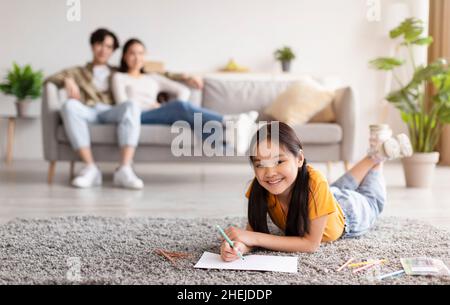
(344, 265)
(229, 241)
(392, 274)
(366, 266)
(366, 263)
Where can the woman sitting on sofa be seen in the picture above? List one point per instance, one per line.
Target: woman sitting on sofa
(132, 84)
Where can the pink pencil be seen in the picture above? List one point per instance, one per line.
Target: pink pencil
(345, 265)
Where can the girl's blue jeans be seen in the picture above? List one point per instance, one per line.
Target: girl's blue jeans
(361, 204)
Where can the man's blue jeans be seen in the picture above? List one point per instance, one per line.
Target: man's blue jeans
(77, 117)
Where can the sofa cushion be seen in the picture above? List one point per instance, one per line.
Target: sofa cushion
(106, 134)
(228, 96)
(300, 102)
(326, 115)
(314, 133)
(234, 93)
(319, 133)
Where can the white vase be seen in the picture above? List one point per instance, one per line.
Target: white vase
(419, 169)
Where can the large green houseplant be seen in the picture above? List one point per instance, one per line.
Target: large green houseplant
(25, 84)
(424, 117)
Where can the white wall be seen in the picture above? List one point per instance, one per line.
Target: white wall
(330, 37)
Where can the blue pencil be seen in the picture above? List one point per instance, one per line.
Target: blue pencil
(392, 274)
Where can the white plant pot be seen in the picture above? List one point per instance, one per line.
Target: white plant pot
(23, 108)
(419, 169)
(286, 65)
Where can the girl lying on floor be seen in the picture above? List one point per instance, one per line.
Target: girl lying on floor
(298, 198)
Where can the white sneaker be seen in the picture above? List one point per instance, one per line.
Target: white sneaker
(393, 148)
(406, 148)
(126, 178)
(379, 133)
(245, 126)
(89, 176)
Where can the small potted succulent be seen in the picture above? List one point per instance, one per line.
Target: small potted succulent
(25, 84)
(285, 55)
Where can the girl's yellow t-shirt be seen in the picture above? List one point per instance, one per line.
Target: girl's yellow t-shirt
(321, 203)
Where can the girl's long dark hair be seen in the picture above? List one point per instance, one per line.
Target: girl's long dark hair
(123, 64)
(298, 221)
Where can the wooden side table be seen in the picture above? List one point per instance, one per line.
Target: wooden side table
(10, 134)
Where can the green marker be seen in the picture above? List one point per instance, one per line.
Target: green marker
(229, 241)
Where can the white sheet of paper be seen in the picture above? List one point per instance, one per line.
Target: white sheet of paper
(251, 262)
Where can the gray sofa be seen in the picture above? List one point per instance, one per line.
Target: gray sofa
(323, 142)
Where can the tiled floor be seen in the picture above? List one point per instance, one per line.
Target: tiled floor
(186, 190)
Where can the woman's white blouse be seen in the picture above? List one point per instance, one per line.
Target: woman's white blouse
(144, 90)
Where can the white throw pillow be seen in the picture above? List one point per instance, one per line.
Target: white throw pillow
(300, 102)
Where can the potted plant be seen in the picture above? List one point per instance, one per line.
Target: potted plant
(424, 117)
(285, 55)
(25, 84)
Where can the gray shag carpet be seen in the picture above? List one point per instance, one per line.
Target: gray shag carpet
(121, 251)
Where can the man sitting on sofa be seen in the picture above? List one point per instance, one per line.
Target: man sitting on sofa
(90, 101)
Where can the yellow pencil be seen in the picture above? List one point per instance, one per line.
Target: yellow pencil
(367, 263)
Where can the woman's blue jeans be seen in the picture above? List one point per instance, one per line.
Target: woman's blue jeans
(174, 111)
